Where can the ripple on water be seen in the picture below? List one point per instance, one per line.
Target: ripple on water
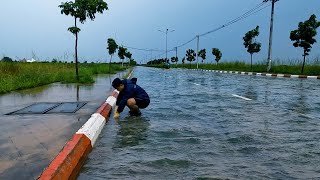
(196, 129)
(169, 163)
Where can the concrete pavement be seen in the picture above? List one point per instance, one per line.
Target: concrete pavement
(29, 142)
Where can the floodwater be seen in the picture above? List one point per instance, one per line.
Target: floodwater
(205, 125)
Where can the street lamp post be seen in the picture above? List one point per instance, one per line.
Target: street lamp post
(166, 32)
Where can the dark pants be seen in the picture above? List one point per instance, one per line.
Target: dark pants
(142, 103)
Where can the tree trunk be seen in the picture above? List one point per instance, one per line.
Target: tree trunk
(304, 60)
(110, 63)
(251, 62)
(122, 62)
(76, 50)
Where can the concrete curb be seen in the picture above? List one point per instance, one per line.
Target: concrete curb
(261, 74)
(67, 164)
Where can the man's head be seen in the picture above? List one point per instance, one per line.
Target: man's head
(118, 84)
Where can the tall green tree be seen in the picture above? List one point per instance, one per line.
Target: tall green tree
(304, 36)
(250, 42)
(121, 53)
(128, 55)
(112, 48)
(191, 55)
(81, 10)
(216, 52)
(202, 54)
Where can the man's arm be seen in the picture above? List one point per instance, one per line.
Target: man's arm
(128, 93)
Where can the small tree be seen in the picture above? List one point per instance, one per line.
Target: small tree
(191, 55)
(112, 48)
(133, 62)
(6, 59)
(250, 43)
(81, 10)
(216, 52)
(121, 53)
(128, 55)
(202, 54)
(304, 36)
(174, 60)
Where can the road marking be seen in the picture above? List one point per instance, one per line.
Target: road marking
(307, 116)
(241, 97)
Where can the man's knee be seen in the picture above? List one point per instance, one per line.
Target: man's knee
(131, 102)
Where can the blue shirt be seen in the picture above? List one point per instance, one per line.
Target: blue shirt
(131, 90)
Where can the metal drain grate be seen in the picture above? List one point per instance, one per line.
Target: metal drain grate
(50, 108)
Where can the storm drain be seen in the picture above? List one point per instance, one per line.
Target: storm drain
(48, 108)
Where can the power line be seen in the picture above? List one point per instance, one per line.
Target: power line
(243, 16)
(142, 49)
(252, 11)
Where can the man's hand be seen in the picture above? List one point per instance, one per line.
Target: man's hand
(116, 115)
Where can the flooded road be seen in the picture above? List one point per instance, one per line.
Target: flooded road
(202, 125)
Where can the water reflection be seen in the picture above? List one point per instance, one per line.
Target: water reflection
(132, 132)
(250, 90)
(299, 104)
(77, 92)
(32, 92)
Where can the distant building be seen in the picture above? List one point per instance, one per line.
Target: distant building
(31, 61)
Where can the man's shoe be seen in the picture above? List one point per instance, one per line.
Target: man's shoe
(135, 113)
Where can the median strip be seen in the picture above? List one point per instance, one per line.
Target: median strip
(67, 164)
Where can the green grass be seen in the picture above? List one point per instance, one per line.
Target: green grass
(312, 69)
(16, 75)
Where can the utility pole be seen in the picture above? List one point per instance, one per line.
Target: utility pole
(197, 50)
(176, 51)
(166, 32)
(270, 36)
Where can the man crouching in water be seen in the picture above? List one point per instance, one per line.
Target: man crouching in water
(131, 95)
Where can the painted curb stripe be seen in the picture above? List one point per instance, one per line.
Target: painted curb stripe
(92, 128)
(111, 100)
(262, 74)
(70, 160)
(312, 77)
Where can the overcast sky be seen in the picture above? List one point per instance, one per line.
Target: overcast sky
(37, 26)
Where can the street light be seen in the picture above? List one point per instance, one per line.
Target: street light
(166, 32)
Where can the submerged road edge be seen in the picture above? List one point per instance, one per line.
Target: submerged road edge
(67, 164)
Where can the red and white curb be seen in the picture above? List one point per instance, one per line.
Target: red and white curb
(68, 162)
(261, 74)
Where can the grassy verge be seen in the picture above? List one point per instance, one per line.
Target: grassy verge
(15, 76)
(311, 70)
